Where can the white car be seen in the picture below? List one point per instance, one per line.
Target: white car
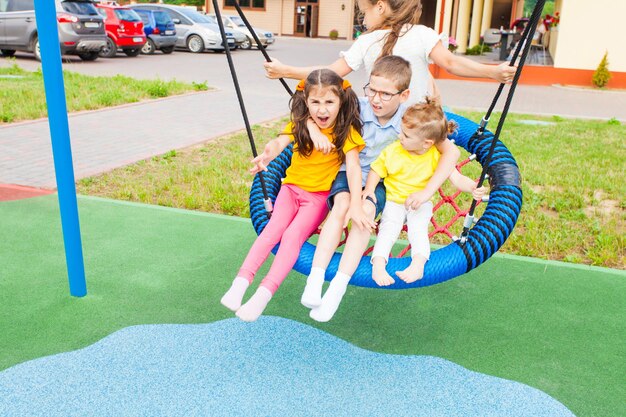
(235, 23)
(194, 32)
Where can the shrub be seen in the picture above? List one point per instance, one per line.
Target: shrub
(602, 75)
(334, 34)
(478, 49)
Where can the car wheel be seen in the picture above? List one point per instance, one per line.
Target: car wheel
(195, 44)
(7, 52)
(148, 48)
(167, 49)
(88, 56)
(247, 44)
(132, 52)
(36, 48)
(109, 49)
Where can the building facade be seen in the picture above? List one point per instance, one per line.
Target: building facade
(585, 32)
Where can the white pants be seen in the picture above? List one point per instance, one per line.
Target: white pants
(394, 217)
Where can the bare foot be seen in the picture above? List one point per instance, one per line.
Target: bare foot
(414, 272)
(379, 273)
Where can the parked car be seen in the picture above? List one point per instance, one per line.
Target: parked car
(194, 31)
(235, 23)
(124, 30)
(81, 29)
(160, 30)
(241, 40)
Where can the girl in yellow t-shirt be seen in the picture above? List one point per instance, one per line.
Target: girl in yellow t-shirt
(406, 167)
(300, 206)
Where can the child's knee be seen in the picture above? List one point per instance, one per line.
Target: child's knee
(369, 208)
(341, 204)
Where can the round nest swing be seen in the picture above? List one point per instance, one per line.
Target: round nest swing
(484, 239)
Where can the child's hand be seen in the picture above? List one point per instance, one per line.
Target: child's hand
(505, 73)
(479, 193)
(369, 193)
(274, 69)
(261, 162)
(320, 140)
(359, 218)
(415, 200)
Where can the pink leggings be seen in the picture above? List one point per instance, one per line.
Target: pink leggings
(297, 213)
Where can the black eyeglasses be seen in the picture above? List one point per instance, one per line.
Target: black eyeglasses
(384, 96)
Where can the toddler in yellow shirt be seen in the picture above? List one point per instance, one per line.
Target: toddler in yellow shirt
(406, 166)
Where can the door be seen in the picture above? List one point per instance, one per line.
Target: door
(19, 23)
(300, 20)
(182, 24)
(3, 9)
(313, 22)
(305, 19)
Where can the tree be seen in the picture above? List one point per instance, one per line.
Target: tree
(602, 75)
(529, 5)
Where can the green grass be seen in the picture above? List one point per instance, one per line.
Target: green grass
(574, 207)
(23, 96)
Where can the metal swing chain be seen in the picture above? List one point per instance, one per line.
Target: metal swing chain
(529, 32)
(258, 42)
(233, 73)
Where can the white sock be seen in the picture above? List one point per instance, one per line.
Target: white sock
(232, 299)
(332, 298)
(312, 295)
(251, 310)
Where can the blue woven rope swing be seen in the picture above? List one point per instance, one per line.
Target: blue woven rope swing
(478, 243)
(483, 240)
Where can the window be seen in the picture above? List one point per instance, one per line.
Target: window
(175, 15)
(162, 18)
(127, 15)
(79, 7)
(246, 4)
(21, 5)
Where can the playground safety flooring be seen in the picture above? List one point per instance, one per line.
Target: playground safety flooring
(516, 336)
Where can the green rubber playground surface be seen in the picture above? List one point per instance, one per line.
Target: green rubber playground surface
(556, 327)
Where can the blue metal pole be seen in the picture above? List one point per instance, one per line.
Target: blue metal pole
(46, 16)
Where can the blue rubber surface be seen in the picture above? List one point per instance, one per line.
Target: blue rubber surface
(274, 367)
(484, 239)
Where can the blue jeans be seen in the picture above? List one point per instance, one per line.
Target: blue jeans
(340, 185)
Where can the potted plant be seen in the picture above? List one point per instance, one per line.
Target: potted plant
(452, 44)
(334, 34)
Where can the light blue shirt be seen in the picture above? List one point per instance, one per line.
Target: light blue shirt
(376, 137)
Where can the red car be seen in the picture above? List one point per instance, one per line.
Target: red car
(124, 30)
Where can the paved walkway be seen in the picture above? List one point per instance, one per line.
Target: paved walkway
(114, 137)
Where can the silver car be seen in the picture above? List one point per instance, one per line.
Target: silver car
(194, 31)
(241, 40)
(81, 29)
(235, 23)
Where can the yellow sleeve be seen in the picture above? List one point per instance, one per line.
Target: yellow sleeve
(380, 164)
(288, 131)
(353, 141)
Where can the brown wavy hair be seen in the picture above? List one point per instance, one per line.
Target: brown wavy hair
(403, 12)
(429, 120)
(348, 112)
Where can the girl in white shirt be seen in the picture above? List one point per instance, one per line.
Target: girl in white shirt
(393, 29)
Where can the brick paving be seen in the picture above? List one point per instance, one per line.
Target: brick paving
(114, 137)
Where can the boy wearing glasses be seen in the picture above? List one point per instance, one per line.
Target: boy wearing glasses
(381, 114)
